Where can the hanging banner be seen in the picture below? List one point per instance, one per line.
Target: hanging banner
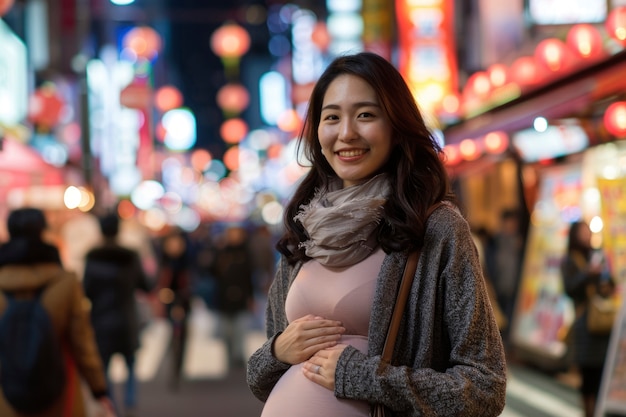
(427, 53)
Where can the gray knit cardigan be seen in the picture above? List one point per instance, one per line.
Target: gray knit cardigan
(449, 359)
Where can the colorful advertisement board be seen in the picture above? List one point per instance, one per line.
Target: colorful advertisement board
(543, 313)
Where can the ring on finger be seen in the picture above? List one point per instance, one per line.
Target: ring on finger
(317, 369)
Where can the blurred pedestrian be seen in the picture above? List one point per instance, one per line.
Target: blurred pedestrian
(174, 292)
(28, 265)
(506, 258)
(203, 256)
(585, 271)
(113, 276)
(264, 258)
(233, 271)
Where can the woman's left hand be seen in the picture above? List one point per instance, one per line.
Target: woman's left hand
(320, 368)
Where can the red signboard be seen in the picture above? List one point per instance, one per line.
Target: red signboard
(136, 96)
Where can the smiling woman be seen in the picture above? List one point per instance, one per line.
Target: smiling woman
(361, 209)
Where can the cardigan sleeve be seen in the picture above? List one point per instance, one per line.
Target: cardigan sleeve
(449, 359)
(264, 370)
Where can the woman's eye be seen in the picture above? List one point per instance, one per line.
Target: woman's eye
(365, 115)
(330, 117)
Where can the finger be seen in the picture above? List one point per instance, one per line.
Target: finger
(330, 351)
(318, 321)
(312, 349)
(311, 368)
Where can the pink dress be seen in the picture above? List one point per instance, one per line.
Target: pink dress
(343, 294)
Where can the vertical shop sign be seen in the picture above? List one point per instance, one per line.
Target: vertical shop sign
(13, 81)
(427, 52)
(378, 25)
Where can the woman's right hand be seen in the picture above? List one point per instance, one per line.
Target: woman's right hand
(305, 336)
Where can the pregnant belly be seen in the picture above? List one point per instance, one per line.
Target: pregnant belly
(295, 395)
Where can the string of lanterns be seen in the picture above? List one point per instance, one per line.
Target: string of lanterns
(552, 58)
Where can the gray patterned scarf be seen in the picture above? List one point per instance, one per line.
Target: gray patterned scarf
(340, 222)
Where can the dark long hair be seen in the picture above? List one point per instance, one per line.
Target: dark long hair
(417, 175)
(574, 244)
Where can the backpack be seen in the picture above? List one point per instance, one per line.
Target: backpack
(32, 372)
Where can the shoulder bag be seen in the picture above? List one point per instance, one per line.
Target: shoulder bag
(601, 313)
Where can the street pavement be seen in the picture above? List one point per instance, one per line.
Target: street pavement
(208, 388)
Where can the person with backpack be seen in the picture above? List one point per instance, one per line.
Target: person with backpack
(47, 344)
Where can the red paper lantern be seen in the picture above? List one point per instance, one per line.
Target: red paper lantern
(200, 159)
(451, 104)
(469, 149)
(552, 54)
(231, 158)
(320, 36)
(45, 107)
(497, 75)
(615, 119)
(289, 121)
(5, 6)
(233, 98)
(524, 71)
(234, 130)
(585, 41)
(478, 85)
(496, 142)
(616, 24)
(144, 41)
(168, 98)
(452, 155)
(230, 41)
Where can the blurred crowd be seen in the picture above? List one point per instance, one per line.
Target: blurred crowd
(131, 277)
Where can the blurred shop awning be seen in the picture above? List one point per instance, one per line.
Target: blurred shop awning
(568, 96)
(22, 166)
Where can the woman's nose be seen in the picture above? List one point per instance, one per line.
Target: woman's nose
(347, 132)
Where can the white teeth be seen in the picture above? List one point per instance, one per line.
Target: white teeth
(352, 153)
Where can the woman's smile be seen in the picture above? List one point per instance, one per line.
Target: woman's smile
(351, 154)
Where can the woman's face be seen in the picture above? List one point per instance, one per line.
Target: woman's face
(354, 131)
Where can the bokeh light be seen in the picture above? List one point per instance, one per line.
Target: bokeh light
(180, 128)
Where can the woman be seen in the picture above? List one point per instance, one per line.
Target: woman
(353, 220)
(582, 269)
(27, 264)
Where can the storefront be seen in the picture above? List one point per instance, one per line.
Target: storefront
(567, 165)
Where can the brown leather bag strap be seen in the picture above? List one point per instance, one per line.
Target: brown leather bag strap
(398, 310)
(403, 294)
